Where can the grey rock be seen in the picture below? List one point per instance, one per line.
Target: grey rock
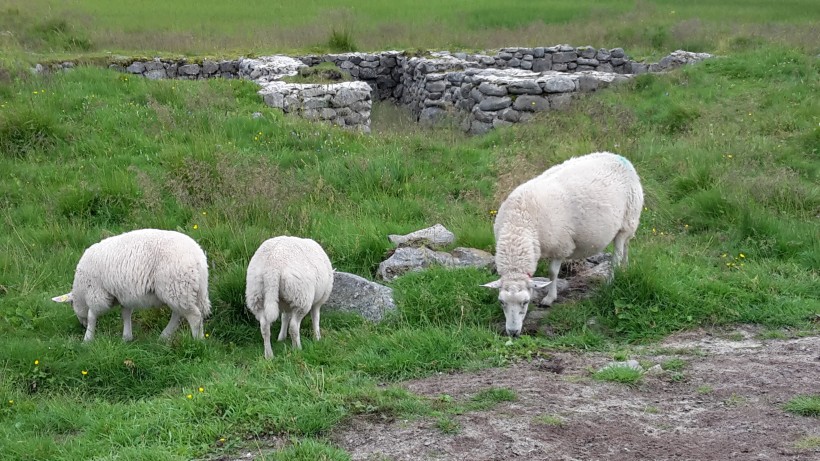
(602, 55)
(136, 67)
(481, 116)
(617, 52)
(542, 64)
(352, 293)
(587, 62)
(524, 87)
(510, 115)
(564, 57)
(429, 116)
(477, 127)
(492, 89)
(560, 101)
(316, 103)
(514, 62)
(531, 103)
(256, 115)
(526, 65)
(559, 84)
(538, 52)
(229, 66)
(587, 83)
(436, 236)
(276, 100)
(189, 69)
(156, 74)
(617, 61)
(407, 259)
(505, 55)
(605, 67)
(154, 65)
(559, 67)
(209, 67)
(367, 73)
(495, 103)
(586, 52)
(435, 87)
(346, 97)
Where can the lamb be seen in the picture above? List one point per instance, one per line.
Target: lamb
(142, 269)
(572, 210)
(293, 275)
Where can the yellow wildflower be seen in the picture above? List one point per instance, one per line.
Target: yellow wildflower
(742, 255)
(84, 372)
(189, 396)
(11, 402)
(36, 362)
(196, 226)
(201, 389)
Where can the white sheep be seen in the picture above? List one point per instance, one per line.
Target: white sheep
(572, 210)
(293, 275)
(142, 269)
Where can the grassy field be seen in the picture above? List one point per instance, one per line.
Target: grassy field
(728, 150)
(228, 28)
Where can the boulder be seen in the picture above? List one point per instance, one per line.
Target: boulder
(352, 293)
(407, 259)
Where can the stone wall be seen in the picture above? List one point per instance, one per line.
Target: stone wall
(482, 91)
(345, 104)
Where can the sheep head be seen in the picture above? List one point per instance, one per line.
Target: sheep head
(79, 308)
(515, 294)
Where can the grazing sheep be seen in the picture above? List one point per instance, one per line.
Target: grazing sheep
(572, 210)
(142, 269)
(293, 275)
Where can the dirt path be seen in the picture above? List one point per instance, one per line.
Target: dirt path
(726, 403)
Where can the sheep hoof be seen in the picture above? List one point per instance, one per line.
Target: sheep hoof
(547, 301)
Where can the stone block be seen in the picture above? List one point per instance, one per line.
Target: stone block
(529, 103)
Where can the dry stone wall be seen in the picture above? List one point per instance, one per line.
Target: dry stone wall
(482, 91)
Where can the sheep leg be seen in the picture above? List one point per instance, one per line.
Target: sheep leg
(620, 256)
(315, 313)
(555, 266)
(126, 324)
(293, 325)
(264, 326)
(283, 330)
(172, 326)
(195, 321)
(91, 325)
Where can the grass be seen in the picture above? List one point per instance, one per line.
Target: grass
(804, 405)
(617, 374)
(189, 27)
(727, 151)
(550, 420)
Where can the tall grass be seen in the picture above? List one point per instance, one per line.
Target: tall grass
(212, 27)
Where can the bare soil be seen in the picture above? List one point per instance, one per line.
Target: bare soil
(725, 403)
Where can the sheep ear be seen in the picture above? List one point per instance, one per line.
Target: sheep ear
(494, 284)
(538, 284)
(66, 298)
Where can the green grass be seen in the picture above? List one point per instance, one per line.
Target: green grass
(727, 151)
(203, 27)
(804, 405)
(622, 375)
(550, 420)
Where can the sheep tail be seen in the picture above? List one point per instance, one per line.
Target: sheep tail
(202, 299)
(255, 293)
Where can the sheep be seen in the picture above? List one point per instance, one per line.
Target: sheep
(572, 210)
(293, 275)
(143, 268)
